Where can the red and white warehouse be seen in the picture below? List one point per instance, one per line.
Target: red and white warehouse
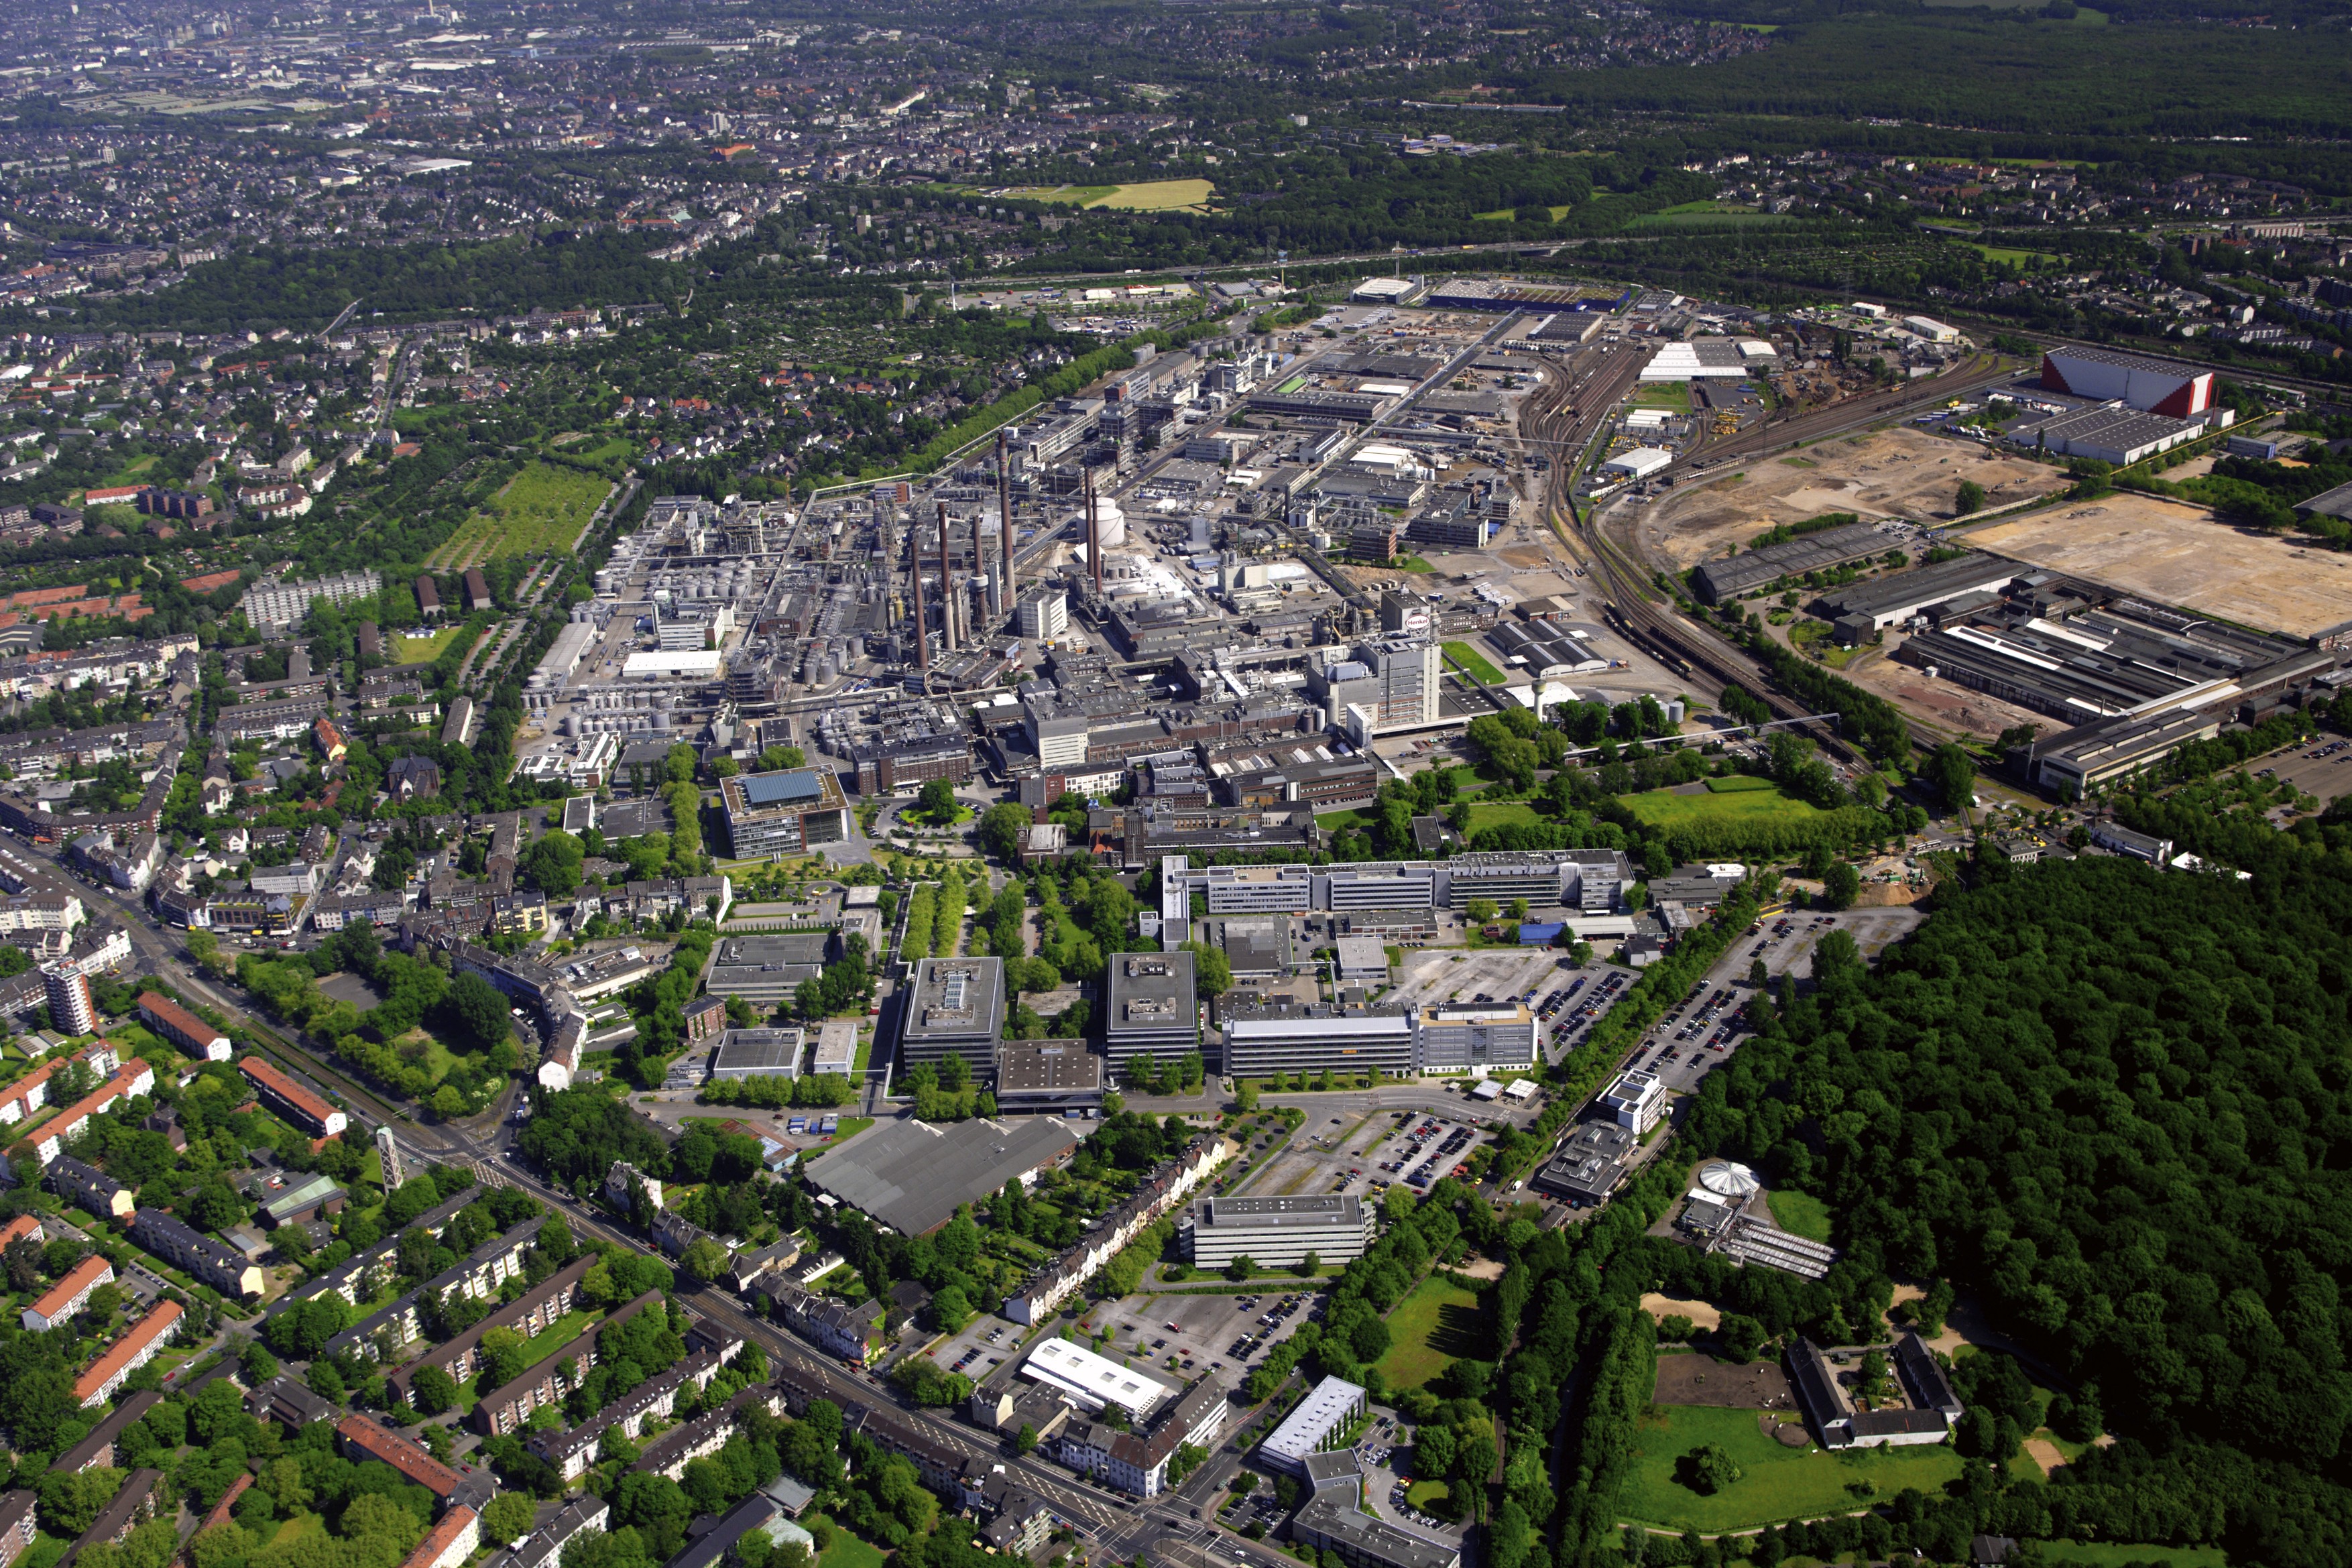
(2154, 386)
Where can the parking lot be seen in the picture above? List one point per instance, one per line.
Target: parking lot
(1500, 974)
(2318, 769)
(1182, 1336)
(1366, 1149)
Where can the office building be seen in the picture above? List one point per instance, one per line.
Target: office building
(766, 970)
(1634, 1102)
(71, 1009)
(1153, 1006)
(1360, 1540)
(953, 1007)
(1316, 1425)
(1589, 1166)
(787, 813)
(1263, 1039)
(1479, 1039)
(757, 1053)
(1048, 1078)
(1277, 1232)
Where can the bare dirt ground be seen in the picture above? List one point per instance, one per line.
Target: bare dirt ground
(1698, 1379)
(1889, 474)
(2178, 554)
(1942, 703)
(1703, 1315)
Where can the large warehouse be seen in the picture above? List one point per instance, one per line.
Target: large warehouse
(2153, 386)
(911, 1175)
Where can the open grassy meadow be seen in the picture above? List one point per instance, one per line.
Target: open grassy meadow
(1463, 656)
(1776, 1483)
(539, 511)
(1664, 809)
(1429, 1331)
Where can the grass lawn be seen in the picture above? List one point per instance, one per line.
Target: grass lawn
(846, 1551)
(1802, 1214)
(1775, 1483)
(1737, 783)
(296, 1528)
(850, 1126)
(424, 650)
(1420, 1495)
(539, 512)
(1429, 1331)
(560, 1335)
(1503, 813)
(1465, 657)
(45, 1550)
(2115, 1553)
(1660, 809)
(1333, 822)
(1663, 394)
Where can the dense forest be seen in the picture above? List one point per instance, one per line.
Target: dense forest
(2118, 1104)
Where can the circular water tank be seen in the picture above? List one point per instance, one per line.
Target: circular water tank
(1727, 1179)
(1111, 522)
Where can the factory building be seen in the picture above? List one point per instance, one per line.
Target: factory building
(1277, 1232)
(1732, 576)
(2150, 385)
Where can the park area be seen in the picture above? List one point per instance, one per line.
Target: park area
(1148, 196)
(1430, 1329)
(541, 511)
(424, 650)
(1776, 1482)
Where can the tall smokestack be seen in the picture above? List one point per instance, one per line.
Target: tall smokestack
(947, 587)
(922, 635)
(994, 601)
(1093, 537)
(1006, 590)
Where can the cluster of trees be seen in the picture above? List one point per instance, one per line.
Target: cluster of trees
(1180, 1075)
(658, 1005)
(846, 984)
(1515, 745)
(935, 916)
(2092, 1089)
(808, 1092)
(946, 1093)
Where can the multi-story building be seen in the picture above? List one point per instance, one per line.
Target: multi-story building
(845, 1331)
(137, 1347)
(64, 1299)
(1316, 1424)
(89, 1188)
(454, 1485)
(48, 1140)
(1277, 1232)
(290, 1099)
(896, 765)
(273, 606)
(788, 812)
(954, 1006)
(183, 1027)
(1044, 614)
(225, 1269)
(503, 1410)
(1137, 1463)
(1263, 1039)
(1479, 1039)
(1153, 1006)
(71, 1009)
(528, 1314)
(1634, 1102)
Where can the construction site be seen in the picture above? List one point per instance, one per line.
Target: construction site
(1885, 474)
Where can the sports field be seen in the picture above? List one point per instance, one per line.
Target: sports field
(539, 511)
(1664, 809)
(1430, 1329)
(1776, 1483)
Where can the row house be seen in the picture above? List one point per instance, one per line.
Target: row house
(1157, 1195)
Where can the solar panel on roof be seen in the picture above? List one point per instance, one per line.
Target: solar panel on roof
(777, 789)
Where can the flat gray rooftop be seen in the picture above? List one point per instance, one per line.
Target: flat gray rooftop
(911, 1175)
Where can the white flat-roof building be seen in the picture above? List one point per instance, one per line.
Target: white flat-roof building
(672, 665)
(1318, 1422)
(1277, 1232)
(1639, 462)
(1093, 1382)
(1635, 1101)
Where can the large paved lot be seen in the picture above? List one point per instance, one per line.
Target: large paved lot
(2174, 553)
(1890, 473)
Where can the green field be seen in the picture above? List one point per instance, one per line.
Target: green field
(539, 511)
(1800, 1213)
(1774, 1484)
(1662, 809)
(1738, 784)
(1429, 1331)
(424, 650)
(1502, 814)
(1422, 1496)
(1149, 196)
(846, 1551)
(1465, 657)
(1663, 394)
(2117, 1553)
(1333, 822)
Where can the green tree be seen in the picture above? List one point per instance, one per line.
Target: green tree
(432, 1391)
(553, 864)
(481, 1010)
(703, 1261)
(1213, 972)
(1707, 1469)
(1840, 884)
(1970, 499)
(1952, 773)
(1241, 1267)
(1005, 829)
(1740, 1336)
(937, 802)
(506, 1517)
